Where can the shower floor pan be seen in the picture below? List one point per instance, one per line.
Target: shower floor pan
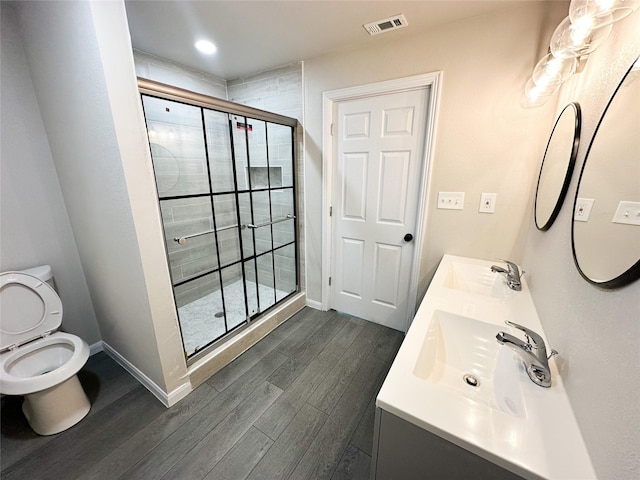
(198, 322)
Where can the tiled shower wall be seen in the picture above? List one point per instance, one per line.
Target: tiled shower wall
(164, 71)
(278, 90)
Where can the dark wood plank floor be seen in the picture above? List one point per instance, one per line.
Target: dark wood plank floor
(298, 405)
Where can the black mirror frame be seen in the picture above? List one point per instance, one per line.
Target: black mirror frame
(633, 272)
(570, 167)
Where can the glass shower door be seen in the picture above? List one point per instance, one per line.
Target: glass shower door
(226, 192)
(263, 161)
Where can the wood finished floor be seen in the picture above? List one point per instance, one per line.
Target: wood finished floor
(298, 405)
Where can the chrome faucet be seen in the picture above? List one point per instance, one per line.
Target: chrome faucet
(533, 353)
(512, 272)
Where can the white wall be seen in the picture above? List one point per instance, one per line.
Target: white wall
(595, 331)
(35, 227)
(484, 142)
(82, 68)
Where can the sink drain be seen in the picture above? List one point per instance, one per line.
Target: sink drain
(471, 380)
(219, 315)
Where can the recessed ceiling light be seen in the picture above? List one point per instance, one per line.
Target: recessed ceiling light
(205, 46)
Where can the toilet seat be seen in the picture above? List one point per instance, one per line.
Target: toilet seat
(30, 309)
(26, 380)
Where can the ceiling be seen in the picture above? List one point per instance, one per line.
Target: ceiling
(253, 36)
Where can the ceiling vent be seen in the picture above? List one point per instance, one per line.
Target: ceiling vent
(386, 25)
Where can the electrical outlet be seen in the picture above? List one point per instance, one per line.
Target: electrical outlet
(583, 209)
(488, 202)
(627, 213)
(451, 200)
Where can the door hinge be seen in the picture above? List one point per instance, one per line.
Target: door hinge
(329, 281)
(331, 131)
(330, 211)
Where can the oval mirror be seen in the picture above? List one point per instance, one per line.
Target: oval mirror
(606, 227)
(557, 166)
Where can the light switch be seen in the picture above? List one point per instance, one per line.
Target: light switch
(583, 209)
(488, 202)
(627, 213)
(451, 200)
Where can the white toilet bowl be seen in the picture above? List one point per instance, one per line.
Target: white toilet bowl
(36, 361)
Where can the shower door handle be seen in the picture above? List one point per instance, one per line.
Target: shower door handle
(182, 240)
(288, 217)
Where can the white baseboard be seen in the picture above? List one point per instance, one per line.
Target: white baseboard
(167, 399)
(313, 304)
(95, 348)
(178, 394)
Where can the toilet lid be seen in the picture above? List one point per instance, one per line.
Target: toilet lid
(29, 308)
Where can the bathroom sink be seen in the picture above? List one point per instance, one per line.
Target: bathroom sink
(451, 378)
(461, 355)
(476, 279)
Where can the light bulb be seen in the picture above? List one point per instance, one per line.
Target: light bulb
(579, 39)
(601, 12)
(206, 47)
(554, 70)
(580, 30)
(537, 94)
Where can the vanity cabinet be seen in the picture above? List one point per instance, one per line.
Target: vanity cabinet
(404, 451)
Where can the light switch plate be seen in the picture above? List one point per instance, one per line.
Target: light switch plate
(583, 209)
(488, 202)
(451, 200)
(627, 213)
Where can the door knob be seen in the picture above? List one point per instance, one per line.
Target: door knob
(408, 237)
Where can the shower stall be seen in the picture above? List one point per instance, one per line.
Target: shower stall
(225, 176)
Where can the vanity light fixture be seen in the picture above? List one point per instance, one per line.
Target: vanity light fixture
(601, 12)
(589, 23)
(206, 47)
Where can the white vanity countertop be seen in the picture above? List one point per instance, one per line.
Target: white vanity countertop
(541, 441)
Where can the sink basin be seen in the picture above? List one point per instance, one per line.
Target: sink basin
(476, 279)
(461, 355)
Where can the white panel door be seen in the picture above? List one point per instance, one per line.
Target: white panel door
(378, 155)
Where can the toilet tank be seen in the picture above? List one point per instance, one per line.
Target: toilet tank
(42, 272)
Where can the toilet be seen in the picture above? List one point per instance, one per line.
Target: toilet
(36, 360)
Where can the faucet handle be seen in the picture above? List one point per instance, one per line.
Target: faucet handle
(513, 267)
(532, 337)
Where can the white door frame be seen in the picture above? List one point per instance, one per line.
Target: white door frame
(432, 80)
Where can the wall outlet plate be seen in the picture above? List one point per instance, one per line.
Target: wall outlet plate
(583, 209)
(451, 200)
(488, 202)
(627, 213)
